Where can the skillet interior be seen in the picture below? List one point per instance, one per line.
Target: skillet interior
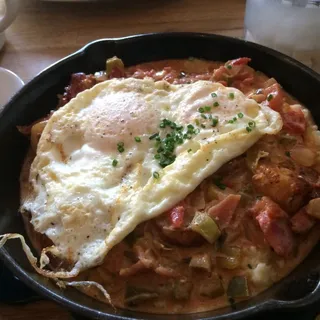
(38, 97)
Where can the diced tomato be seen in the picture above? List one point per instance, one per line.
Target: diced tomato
(274, 96)
(224, 210)
(244, 85)
(220, 73)
(79, 82)
(277, 233)
(272, 208)
(176, 216)
(75, 84)
(224, 83)
(274, 224)
(239, 61)
(238, 84)
(293, 120)
(240, 71)
(235, 73)
(302, 222)
(138, 74)
(243, 74)
(116, 73)
(248, 81)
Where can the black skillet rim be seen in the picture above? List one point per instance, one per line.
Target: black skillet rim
(94, 313)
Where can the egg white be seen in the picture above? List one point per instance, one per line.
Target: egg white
(85, 204)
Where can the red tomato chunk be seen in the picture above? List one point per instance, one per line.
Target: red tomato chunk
(274, 223)
(176, 216)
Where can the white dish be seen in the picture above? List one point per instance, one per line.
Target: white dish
(10, 84)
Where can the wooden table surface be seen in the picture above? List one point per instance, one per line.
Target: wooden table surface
(45, 32)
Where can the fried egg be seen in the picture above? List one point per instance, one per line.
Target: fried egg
(126, 151)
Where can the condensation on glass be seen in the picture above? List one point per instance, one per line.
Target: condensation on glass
(289, 26)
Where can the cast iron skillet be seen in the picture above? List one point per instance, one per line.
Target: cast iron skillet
(38, 97)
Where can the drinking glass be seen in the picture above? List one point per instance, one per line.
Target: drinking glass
(8, 12)
(289, 26)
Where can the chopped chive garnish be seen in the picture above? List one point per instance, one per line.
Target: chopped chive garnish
(138, 139)
(114, 162)
(203, 116)
(229, 66)
(213, 95)
(269, 97)
(197, 122)
(248, 129)
(153, 136)
(120, 146)
(240, 115)
(288, 154)
(189, 150)
(231, 121)
(216, 104)
(218, 182)
(251, 124)
(203, 126)
(234, 119)
(165, 122)
(156, 175)
(201, 110)
(165, 146)
(214, 122)
(207, 108)
(231, 95)
(190, 127)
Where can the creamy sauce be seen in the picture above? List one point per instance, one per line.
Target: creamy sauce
(166, 251)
